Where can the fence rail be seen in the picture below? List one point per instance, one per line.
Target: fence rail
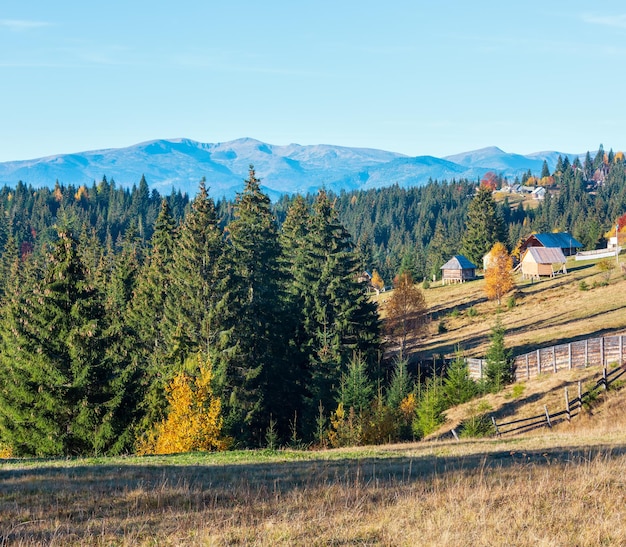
(572, 406)
(575, 355)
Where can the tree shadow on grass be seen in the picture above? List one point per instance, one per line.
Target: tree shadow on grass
(75, 502)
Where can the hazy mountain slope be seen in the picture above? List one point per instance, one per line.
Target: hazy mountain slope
(181, 163)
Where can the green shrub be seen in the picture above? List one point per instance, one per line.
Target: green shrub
(479, 423)
(511, 302)
(441, 327)
(582, 285)
(425, 284)
(471, 312)
(454, 312)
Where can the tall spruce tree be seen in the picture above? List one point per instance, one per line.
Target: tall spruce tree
(484, 226)
(255, 374)
(145, 318)
(57, 394)
(339, 320)
(194, 305)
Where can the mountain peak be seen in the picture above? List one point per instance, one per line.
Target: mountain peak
(180, 163)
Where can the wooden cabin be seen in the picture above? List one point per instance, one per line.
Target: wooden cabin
(540, 262)
(568, 244)
(458, 270)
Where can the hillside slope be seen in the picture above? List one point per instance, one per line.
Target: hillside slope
(578, 305)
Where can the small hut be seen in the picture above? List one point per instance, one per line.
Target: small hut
(542, 262)
(458, 270)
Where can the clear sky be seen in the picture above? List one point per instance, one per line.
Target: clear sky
(416, 77)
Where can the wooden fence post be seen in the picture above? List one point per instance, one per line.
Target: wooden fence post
(569, 415)
(604, 383)
(621, 349)
(538, 362)
(586, 353)
(545, 407)
(569, 355)
(527, 368)
(495, 426)
(580, 395)
(602, 351)
(554, 357)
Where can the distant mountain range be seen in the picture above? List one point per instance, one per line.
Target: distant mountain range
(181, 163)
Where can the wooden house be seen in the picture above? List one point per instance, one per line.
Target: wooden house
(458, 270)
(542, 262)
(568, 244)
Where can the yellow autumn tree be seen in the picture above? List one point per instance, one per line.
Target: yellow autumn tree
(377, 281)
(194, 421)
(499, 276)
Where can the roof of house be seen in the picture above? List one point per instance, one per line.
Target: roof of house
(562, 240)
(458, 262)
(545, 255)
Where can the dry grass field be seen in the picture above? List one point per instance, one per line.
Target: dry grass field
(565, 486)
(548, 487)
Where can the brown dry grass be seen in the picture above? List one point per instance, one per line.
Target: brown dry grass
(558, 487)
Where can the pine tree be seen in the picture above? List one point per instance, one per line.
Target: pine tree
(256, 379)
(499, 370)
(57, 395)
(458, 386)
(356, 388)
(430, 408)
(484, 227)
(399, 385)
(193, 306)
(145, 318)
(337, 316)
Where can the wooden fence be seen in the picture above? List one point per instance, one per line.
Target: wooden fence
(584, 353)
(572, 407)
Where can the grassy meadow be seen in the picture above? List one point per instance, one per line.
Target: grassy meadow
(565, 486)
(549, 487)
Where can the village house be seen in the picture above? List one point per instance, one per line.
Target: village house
(458, 270)
(568, 244)
(540, 262)
(539, 193)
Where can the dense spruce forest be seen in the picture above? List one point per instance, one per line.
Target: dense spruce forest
(118, 305)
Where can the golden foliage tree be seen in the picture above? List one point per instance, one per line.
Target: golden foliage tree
(377, 281)
(406, 311)
(194, 421)
(498, 275)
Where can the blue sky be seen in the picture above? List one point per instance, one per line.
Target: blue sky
(420, 78)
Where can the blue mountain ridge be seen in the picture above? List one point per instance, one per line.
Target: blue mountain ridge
(180, 164)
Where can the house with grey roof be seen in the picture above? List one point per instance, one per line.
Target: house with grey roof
(458, 270)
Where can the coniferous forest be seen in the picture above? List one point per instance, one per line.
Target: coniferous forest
(120, 305)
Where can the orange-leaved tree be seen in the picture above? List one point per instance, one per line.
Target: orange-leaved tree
(377, 281)
(405, 311)
(194, 421)
(499, 274)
